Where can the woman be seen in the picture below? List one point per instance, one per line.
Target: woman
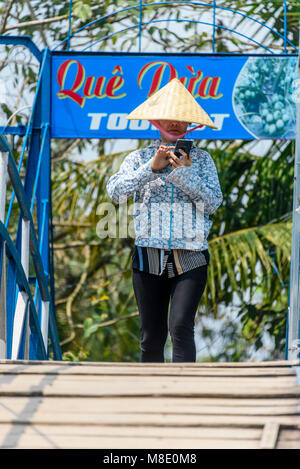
(173, 198)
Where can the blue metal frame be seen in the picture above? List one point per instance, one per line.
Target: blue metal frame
(19, 279)
(39, 353)
(37, 138)
(70, 24)
(214, 25)
(22, 41)
(180, 21)
(37, 191)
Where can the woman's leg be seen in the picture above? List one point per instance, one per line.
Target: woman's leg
(152, 293)
(186, 293)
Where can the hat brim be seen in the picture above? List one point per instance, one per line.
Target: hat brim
(172, 102)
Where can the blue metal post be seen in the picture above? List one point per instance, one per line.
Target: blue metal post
(70, 25)
(214, 26)
(286, 351)
(285, 23)
(44, 177)
(294, 303)
(140, 26)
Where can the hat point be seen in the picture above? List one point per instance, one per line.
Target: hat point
(172, 102)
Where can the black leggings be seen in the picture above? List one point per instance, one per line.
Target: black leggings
(153, 293)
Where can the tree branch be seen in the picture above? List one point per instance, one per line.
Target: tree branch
(5, 16)
(26, 24)
(112, 321)
(72, 296)
(40, 28)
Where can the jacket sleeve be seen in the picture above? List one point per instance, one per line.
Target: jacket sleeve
(130, 178)
(200, 187)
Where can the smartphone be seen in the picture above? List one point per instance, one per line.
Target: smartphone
(184, 145)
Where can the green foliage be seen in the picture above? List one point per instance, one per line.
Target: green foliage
(250, 253)
(82, 10)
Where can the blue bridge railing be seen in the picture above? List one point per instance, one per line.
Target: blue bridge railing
(24, 326)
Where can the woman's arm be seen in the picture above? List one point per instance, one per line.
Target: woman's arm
(204, 187)
(130, 178)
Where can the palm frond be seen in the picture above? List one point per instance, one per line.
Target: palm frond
(238, 259)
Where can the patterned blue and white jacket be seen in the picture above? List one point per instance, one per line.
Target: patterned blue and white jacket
(172, 205)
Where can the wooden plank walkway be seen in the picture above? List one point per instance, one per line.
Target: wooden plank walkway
(149, 406)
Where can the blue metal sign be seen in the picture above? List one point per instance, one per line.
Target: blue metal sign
(247, 97)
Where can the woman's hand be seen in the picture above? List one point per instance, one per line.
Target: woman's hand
(176, 162)
(161, 157)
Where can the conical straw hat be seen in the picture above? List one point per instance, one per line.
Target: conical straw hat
(172, 102)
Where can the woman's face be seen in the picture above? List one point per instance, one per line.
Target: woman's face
(172, 127)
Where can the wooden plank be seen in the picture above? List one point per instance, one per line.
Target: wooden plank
(153, 419)
(142, 386)
(49, 436)
(270, 435)
(119, 408)
(288, 445)
(156, 387)
(69, 390)
(132, 431)
(47, 369)
(267, 364)
(90, 379)
(176, 401)
(181, 404)
(289, 439)
(73, 442)
(15, 405)
(290, 434)
(21, 436)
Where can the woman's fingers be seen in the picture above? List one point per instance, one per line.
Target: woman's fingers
(183, 153)
(167, 153)
(164, 151)
(175, 161)
(164, 148)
